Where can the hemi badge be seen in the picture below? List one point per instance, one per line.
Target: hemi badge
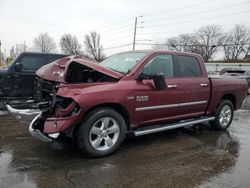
(130, 98)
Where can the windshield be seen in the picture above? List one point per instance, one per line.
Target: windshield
(123, 62)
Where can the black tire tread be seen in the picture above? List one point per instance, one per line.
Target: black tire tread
(215, 123)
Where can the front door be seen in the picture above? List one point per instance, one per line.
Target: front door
(154, 106)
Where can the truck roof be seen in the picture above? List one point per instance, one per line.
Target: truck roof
(165, 51)
(40, 53)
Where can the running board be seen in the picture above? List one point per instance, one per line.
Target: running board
(159, 128)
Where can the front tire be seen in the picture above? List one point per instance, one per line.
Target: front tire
(223, 115)
(101, 133)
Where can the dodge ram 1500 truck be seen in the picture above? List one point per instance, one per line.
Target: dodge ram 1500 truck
(139, 92)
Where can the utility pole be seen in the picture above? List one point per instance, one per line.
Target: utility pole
(24, 46)
(135, 33)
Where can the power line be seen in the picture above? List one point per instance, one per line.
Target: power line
(145, 15)
(186, 45)
(116, 36)
(106, 26)
(115, 43)
(190, 21)
(196, 13)
(122, 45)
(173, 31)
(180, 8)
(115, 29)
(118, 31)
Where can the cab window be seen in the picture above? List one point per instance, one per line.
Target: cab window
(32, 63)
(187, 66)
(160, 64)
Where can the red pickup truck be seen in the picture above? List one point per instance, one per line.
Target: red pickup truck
(140, 92)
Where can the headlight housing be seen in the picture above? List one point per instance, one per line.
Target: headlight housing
(65, 107)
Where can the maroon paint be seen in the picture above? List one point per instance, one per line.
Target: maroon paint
(90, 95)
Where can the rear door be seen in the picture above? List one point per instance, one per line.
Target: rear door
(194, 85)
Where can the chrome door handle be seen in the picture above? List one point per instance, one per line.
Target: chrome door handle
(204, 84)
(172, 86)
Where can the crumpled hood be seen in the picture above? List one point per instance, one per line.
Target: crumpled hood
(56, 70)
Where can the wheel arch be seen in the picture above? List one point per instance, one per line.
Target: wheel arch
(117, 107)
(231, 98)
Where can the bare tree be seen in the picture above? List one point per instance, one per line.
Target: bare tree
(173, 44)
(93, 46)
(183, 43)
(208, 39)
(70, 45)
(247, 52)
(159, 46)
(237, 43)
(44, 43)
(20, 47)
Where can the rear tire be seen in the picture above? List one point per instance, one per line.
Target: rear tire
(101, 133)
(223, 115)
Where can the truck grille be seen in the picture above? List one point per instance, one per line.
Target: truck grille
(44, 89)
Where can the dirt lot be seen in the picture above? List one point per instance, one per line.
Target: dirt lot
(198, 157)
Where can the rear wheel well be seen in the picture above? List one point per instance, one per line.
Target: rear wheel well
(231, 98)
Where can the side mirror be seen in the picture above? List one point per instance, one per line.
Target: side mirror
(18, 67)
(159, 81)
(142, 76)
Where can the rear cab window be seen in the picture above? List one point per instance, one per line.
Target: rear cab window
(187, 66)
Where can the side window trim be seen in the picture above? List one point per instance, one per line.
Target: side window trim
(175, 64)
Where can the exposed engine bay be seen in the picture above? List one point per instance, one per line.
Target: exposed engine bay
(78, 73)
(45, 90)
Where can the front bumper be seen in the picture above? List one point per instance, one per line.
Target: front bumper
(30, 117)
(24, 115)
(46, 130)
(36, 132)
(52, 127)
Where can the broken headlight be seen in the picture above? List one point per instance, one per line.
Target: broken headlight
(65, 107)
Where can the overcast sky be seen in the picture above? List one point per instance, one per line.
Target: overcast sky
(23, 20)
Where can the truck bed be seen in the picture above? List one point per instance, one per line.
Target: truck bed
(226, 87)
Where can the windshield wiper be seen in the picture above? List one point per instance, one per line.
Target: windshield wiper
(116, 70)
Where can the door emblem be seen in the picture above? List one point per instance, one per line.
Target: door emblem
(141, 98)
(130, 98)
